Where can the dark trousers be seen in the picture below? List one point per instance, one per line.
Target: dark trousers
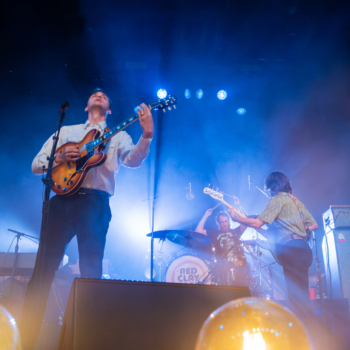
(296, 258)
(85, 215)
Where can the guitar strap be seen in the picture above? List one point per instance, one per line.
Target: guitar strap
(299, 209)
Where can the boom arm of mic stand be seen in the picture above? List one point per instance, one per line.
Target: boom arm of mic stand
(23, 234)
(263, 192)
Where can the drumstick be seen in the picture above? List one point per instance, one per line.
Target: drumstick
(216, 206)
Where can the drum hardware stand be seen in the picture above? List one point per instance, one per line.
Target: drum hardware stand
(258, 286)
(18, 236)
(206, 277)
(257, 263)
(270, 281)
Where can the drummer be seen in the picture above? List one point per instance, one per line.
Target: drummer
(227, 247)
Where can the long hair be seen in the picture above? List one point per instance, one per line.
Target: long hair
(277, 182)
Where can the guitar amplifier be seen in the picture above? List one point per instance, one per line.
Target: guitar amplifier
(337, 216)
(336, 251)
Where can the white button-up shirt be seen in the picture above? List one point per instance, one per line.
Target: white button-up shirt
(120, 150)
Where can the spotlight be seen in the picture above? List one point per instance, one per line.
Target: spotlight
(222, 94)
(9, 331)
(241, 111)
(199, 94)
(187, 93)
(161, 93)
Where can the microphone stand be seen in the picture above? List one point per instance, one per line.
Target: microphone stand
(263, 192)
(152, 199)
(37, 275)
(18, 236)
(152, 239)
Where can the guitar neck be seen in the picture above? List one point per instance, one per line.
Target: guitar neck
(160, 104)
(106, 136)
(235, 210)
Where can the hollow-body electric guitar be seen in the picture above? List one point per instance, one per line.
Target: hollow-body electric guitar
(271, 247)
(68, 176)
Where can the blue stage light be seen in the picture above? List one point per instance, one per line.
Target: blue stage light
(241, 111)
(161, 93)
(187, 93)
(222, 94)
(199, 94)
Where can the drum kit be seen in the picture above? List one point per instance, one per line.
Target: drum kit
(239, 265)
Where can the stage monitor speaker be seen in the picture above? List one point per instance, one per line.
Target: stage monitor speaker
(336, 252)
(110, 314)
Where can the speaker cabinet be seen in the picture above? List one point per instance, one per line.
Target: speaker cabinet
(107, 314)
(336, 252)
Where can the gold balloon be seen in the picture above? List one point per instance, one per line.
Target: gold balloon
(9, 336)
(253, 324)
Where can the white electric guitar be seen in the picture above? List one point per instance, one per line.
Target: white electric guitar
(220, 197)
(263, 244)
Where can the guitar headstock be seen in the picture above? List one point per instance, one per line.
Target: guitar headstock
(164, 103)
(214, 194)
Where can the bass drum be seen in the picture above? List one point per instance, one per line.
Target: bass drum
(188, 269)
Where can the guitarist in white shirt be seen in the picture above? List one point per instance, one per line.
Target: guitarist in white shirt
(86, 213)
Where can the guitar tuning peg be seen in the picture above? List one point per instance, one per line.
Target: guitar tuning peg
(164, 110)
(169, 108)
(174, 106)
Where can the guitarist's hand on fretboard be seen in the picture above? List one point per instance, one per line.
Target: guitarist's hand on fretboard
(146, 121)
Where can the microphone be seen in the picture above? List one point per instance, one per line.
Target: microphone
(249, 182)
(189, 194)
(64, 106)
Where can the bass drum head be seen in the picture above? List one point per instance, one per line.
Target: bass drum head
(188, 269)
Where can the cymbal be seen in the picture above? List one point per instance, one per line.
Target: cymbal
(158, 234)
(188, 238)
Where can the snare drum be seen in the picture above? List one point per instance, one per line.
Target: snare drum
(188, 269)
